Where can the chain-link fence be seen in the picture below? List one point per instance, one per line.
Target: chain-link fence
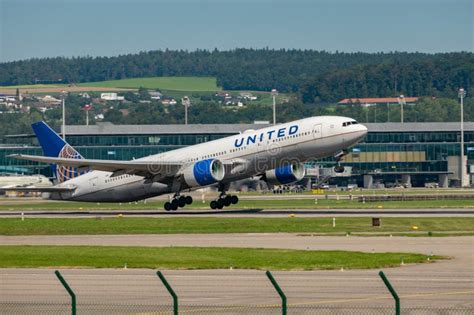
(207, 292)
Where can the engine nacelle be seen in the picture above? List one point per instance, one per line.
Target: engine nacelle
(286, 174)
(203, 173)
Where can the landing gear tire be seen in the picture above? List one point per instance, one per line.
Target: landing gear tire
(224, 201)
(181, 201)
(339, 169)
(178, 202)
(227, 201)
(220, 203)
(174, 204)
(189, 200)
(234, 199)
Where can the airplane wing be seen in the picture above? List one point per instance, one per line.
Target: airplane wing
(37, 189)
(136, 167)
(149, 169)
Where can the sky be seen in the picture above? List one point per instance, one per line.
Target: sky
(48, 28)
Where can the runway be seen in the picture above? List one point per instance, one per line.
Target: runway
(447, 284)
(431, 212)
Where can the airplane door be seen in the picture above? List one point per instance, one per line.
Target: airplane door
(317, 131)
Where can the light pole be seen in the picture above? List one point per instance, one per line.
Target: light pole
(87, 108)
(186, 102)
(401, 101)
(462, 94)
(274, 94)
(63, 97)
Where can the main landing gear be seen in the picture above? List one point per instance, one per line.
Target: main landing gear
(224, 200)
(178, 202)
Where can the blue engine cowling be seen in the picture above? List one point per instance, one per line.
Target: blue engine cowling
(203, 173)
(286, 174)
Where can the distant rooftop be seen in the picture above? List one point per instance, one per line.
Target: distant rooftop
(419, 127)
(375, 100)
(111, 129)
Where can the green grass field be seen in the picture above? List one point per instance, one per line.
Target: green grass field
(165, 83)
(197, 258)
(20, 205)
(187, 225)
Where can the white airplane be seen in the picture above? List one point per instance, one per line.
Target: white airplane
(276, 154)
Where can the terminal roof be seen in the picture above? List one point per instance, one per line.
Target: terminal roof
(111, 129)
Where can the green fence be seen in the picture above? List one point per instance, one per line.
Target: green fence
(155, 294)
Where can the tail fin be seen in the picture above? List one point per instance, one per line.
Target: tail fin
(54, 146)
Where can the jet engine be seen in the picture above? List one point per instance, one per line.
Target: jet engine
(286, 174)
(203, 173)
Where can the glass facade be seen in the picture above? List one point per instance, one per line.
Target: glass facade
(139, 140)
(423, 152)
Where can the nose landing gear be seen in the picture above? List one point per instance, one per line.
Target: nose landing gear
(339, 169)
(178, 202)
(339, 156)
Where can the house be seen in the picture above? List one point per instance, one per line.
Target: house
(372, 101)
(248, 96)
(155, 95)
(99, 117)
(111, 97)
(7, 98)
(48, 99)
(169, 101)
(224, 95)
(84, 95)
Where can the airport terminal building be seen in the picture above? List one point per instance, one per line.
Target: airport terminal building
(412, 154)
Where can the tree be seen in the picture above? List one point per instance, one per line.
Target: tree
(132, 97)
(143, 94)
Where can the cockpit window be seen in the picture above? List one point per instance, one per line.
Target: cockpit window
(348, 123)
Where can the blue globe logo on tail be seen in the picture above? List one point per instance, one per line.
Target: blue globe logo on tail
(54, 146)
(64, 173)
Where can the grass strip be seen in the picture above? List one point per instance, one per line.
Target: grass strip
(243, 204)
(207, 225)
(198, 258)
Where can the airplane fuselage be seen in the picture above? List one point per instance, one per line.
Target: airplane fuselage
(256, 151)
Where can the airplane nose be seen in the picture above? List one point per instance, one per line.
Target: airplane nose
(361, 133)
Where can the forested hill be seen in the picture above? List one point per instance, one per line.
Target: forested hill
(316, 75)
